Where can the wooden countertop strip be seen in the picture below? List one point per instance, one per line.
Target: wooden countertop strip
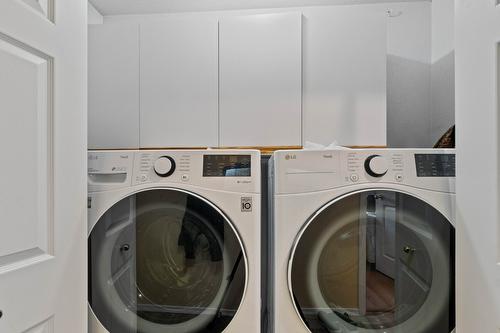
(264, 150)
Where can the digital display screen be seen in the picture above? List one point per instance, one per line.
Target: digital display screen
(227, 165)
(435, 165)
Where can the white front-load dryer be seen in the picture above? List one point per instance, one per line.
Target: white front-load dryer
(363, 241)
(174, 241)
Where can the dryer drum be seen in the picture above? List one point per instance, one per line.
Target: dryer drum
(164, 260)
(375, 261)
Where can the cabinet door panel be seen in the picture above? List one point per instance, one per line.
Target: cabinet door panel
(179, 83)
(113, 86)
(345, 76)
(260, 80)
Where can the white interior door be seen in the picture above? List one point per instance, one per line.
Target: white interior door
(412, 265)
(43, 166)
(386, 234)
(477, 37)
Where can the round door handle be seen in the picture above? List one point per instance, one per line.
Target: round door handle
(409, 250)
(125, 248)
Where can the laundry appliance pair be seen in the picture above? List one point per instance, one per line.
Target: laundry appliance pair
(361, 241)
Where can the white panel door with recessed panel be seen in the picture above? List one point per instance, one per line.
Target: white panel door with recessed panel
(260, 59)
(477, 38)
(43, 166)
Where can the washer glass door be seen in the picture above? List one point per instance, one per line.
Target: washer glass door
(165, 260)
(375, 261)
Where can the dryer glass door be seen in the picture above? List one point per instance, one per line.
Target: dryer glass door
(165, 260)
(375, 261)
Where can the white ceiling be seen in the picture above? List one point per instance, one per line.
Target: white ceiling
(122, 7)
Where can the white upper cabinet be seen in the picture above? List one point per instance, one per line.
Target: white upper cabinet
(260, 80)
(345, 56)
(205, 80)
(113, 86)
(179, 83)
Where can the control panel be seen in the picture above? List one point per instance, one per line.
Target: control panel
(150, 166)
(302, 171)
(435, 165)
(227, 165)
(237, 170)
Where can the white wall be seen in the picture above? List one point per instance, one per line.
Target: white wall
(443, 24)
(421, 97)
(442, 114)
(408, 75)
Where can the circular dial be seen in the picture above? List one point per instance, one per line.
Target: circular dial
(376, 166)
(164, 166)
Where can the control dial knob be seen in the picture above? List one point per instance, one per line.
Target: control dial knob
(376, 166)
(164, 166)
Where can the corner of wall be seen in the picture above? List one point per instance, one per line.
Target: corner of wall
(442, 68)
(94, 17)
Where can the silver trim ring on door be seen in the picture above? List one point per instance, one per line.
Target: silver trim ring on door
(209, 203)
(314, 216)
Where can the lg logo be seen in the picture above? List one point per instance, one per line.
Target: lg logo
(246, 204)
(290, 157)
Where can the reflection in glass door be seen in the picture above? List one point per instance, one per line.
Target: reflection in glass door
(376, 261)
(165, 261)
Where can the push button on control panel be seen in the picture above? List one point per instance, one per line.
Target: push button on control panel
(354, 177)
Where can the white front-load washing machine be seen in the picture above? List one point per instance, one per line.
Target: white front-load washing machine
(174, 241)
(363, 241)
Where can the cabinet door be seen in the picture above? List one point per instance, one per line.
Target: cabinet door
(113, 86)
(345, 76)
(179, 83)
(260, 80)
